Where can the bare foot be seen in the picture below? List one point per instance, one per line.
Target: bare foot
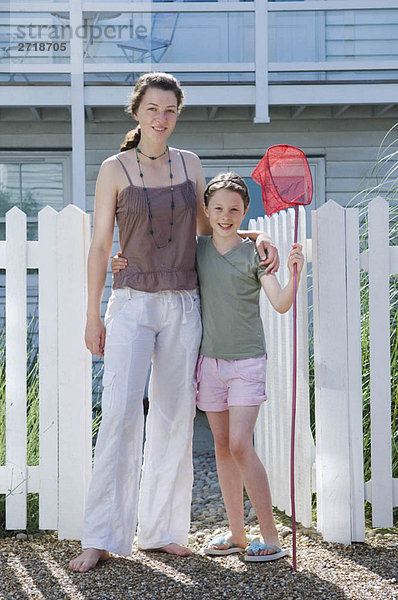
(88, 559)
(170, 549)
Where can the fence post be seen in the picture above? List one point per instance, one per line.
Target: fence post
(380, 364)
(16, 263)
(48, 371)
(331, 373)
(74, 371)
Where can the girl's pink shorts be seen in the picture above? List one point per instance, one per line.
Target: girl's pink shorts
(224, 383)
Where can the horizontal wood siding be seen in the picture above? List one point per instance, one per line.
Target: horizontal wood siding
(349, 144)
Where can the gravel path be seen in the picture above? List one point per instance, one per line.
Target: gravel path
(36, 568)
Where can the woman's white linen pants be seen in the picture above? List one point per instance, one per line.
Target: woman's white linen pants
(156, 491)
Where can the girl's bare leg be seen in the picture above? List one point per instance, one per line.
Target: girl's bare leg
(88, 559)
(241, 425)
(229, 477)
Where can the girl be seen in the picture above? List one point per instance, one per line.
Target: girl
(156, 194)
(232, 362)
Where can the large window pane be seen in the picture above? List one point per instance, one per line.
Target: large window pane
(333, 35)
(30, 186)
(170, 37)
(34, 38)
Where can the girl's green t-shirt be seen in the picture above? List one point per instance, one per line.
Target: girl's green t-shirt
(229, 291)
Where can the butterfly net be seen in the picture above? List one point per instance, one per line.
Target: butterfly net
(285, 178)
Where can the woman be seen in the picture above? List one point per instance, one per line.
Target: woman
(156, 194)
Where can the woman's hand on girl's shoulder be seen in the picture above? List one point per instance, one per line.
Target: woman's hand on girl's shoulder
(268, 253)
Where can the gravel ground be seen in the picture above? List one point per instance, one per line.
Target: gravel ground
(36, 568)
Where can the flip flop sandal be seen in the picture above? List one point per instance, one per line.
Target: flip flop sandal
(218, 541)
(256, 547)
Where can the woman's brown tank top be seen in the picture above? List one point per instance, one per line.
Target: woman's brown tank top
(152, 269)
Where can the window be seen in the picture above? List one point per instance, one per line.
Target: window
(31, 181)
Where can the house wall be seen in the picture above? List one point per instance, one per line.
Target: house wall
(349, 144)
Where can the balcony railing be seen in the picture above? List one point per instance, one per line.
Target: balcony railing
(207, 45)
(241, 43)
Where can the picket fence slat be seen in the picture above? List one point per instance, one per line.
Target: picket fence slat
(48, 374)
(393, 260)
(331, 379)
(277, 399)
(74, 377)
(317, 347)
(16, 461)
(273, 393)
(283, 401)
(354, 358)
(304, 446)
(33, 480)
(32, 254)
(379, 336)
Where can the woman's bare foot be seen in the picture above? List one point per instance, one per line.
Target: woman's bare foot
(170, 549)
(88, 559)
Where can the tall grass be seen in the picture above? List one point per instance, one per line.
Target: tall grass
(32, 420)
(383, 181)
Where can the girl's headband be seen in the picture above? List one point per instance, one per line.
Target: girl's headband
(232, 180)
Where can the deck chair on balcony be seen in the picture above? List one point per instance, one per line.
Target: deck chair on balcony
(155, 45)
(7, 43)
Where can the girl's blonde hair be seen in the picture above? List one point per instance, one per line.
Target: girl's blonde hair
(227, 181)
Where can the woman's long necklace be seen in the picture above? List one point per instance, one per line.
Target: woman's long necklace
(150, 216)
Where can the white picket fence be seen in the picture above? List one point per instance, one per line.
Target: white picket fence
(272, 433)
(64, 469)
(334, 467)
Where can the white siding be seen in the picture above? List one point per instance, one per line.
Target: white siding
(349, 143)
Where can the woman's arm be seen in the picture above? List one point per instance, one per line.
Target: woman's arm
(99, 253)
(282, 298)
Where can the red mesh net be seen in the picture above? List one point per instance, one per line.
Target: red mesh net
(285, 178)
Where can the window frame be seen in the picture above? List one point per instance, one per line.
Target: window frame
(40, 156)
